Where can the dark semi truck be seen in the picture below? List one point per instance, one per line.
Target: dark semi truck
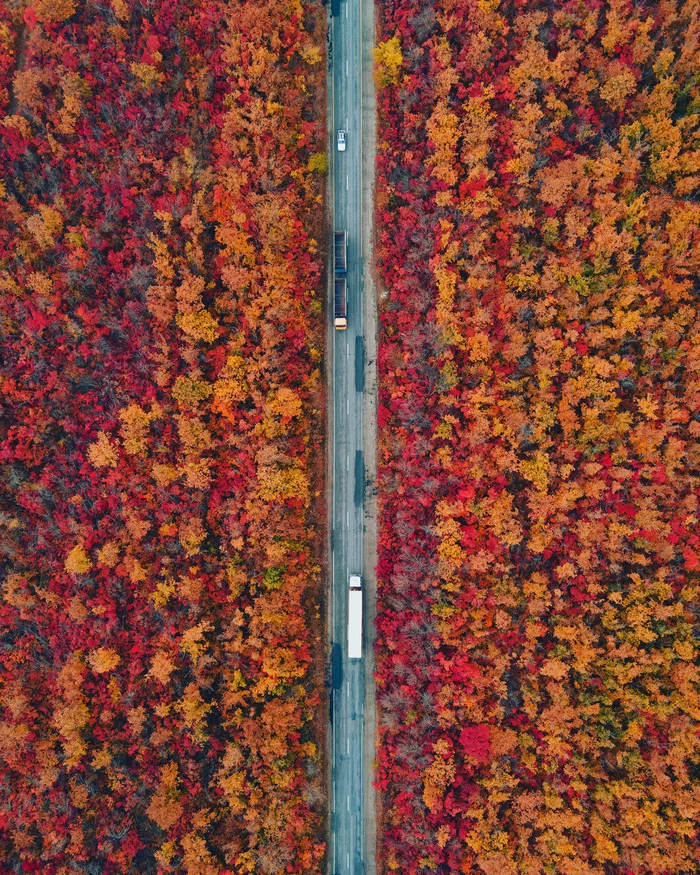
(340, 262)
(341, 303)
(340, 251)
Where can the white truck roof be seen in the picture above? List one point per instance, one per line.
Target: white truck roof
(355, 624)
(355, 581)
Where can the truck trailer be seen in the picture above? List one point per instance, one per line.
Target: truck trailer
(355, 617)
(340, 319)
(340, 263)
(340, 251)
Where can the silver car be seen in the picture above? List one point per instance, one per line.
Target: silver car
(341, 141)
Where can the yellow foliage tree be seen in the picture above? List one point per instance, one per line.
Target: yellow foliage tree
(199, 325)
(165, 807)
(103, 659)
(51, 11)
(70, 712)
(101, 453)
(194, 710)
(134, 430)
(78, 561)
(388, 58)
(196, 858)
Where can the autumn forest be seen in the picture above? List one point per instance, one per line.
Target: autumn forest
(162, 437)
(164, 362)
(539, 238)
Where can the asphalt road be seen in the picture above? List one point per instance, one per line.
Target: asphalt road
(347, 835)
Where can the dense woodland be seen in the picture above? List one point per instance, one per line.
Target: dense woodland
(161, 436)
(538, 229)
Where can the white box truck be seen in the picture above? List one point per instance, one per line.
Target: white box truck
(355, 617)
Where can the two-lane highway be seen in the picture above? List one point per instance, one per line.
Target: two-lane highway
(347, 851)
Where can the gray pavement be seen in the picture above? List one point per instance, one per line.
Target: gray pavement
(348, 851)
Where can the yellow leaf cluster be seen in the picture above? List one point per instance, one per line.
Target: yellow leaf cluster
(102, 453)
(147, 74)
(167, 850)
(232, 785)
(437, 777)
(537, 471)
(134, 429)
(280, 484)
(27, 88)
(199, 325)
(165, 807)
(443, 132)
(104, 659)
(284, 403)
(161, 667)
(191, 533)
(162, 593)
(647, 407)
(136, 717)
(45, 225)
(318, 163)
(196, 322)
(196, 858)
(73, 88)
(190, 392)
(197, 473)
(78, 561)
(108, 554)
(193, 434)
(70, 713)
(51, 11)
(40, 283)
(388, 58)
(618, 88)
(228, 390)
(121, 9)
(164, 473)
(310, 53)
(555, 668)
(192, 641)
(194, 711)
